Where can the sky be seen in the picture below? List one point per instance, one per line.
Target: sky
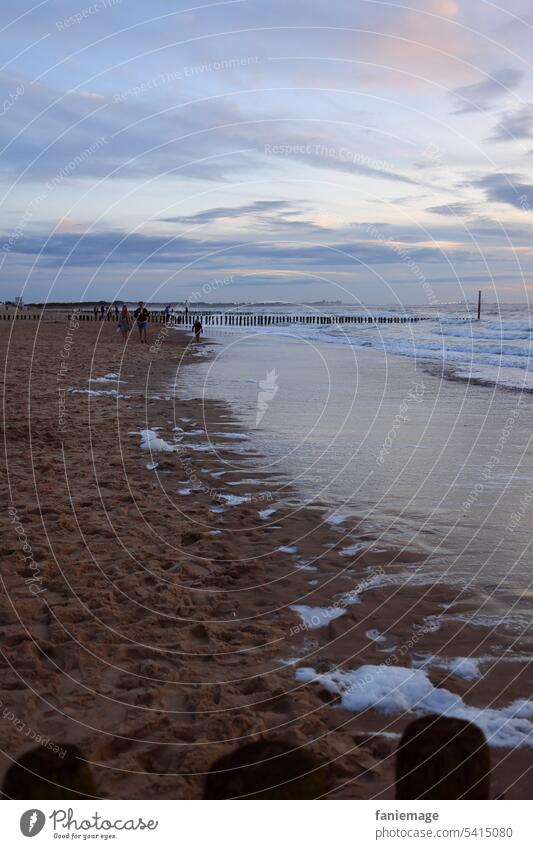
(357, 150)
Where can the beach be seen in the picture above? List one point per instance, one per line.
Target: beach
(196, 558)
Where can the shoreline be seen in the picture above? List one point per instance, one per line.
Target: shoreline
(151, 622)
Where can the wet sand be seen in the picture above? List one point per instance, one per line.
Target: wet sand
(153, 625)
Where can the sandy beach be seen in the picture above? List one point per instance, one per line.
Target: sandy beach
(162, 603)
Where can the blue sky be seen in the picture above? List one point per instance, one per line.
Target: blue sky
(351, 149)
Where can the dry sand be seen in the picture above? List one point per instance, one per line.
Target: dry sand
(147, 628)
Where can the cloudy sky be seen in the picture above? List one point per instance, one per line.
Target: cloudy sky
(362, 150)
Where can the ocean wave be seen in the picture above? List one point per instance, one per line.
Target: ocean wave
(470, 333)
(499, 349)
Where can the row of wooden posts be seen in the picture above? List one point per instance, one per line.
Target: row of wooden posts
(260, 320)
(230, 319)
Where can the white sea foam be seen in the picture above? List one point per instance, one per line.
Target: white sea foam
(461, 667)
(317, 617)
(305, 565)
(409, 579)
(235, 500)
(351, 597)
(107, 378)
(513, 623)
(467, 667)
(351, 550)
(267, 512)
(232, 435)
(112, 393)
(376, 636)
(336, 519)
(246, 480)
(150, 441)
(397, 689)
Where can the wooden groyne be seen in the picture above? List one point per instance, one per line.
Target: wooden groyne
(259, 320)
(220, 319)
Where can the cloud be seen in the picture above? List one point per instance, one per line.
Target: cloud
(458, 208)
(515, 124)
(259, 207)
(214, 139)
(335, 162)
(179, 96)
(507, 188)
(481, 96)
(133, 249)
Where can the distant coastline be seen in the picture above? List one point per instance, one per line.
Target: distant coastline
(209, 304)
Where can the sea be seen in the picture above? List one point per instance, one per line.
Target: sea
(419, 433)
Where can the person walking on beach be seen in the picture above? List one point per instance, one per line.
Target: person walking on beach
(102, 312)
(116, 311)
(197, 327)
(95, 311)
(142, 315)
(124, 324)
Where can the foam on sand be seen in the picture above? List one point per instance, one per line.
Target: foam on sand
(376, 636)
(515, 623)
(107, 378)
(352, 550)
(462, 667)
(317, 617)
(397, 689)
(112, 393)
(467, 667)
(304, 565)
(234, 500)
(232, 435)
(267, 512)
(150, 441)
(337, 519)
(246, 480)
